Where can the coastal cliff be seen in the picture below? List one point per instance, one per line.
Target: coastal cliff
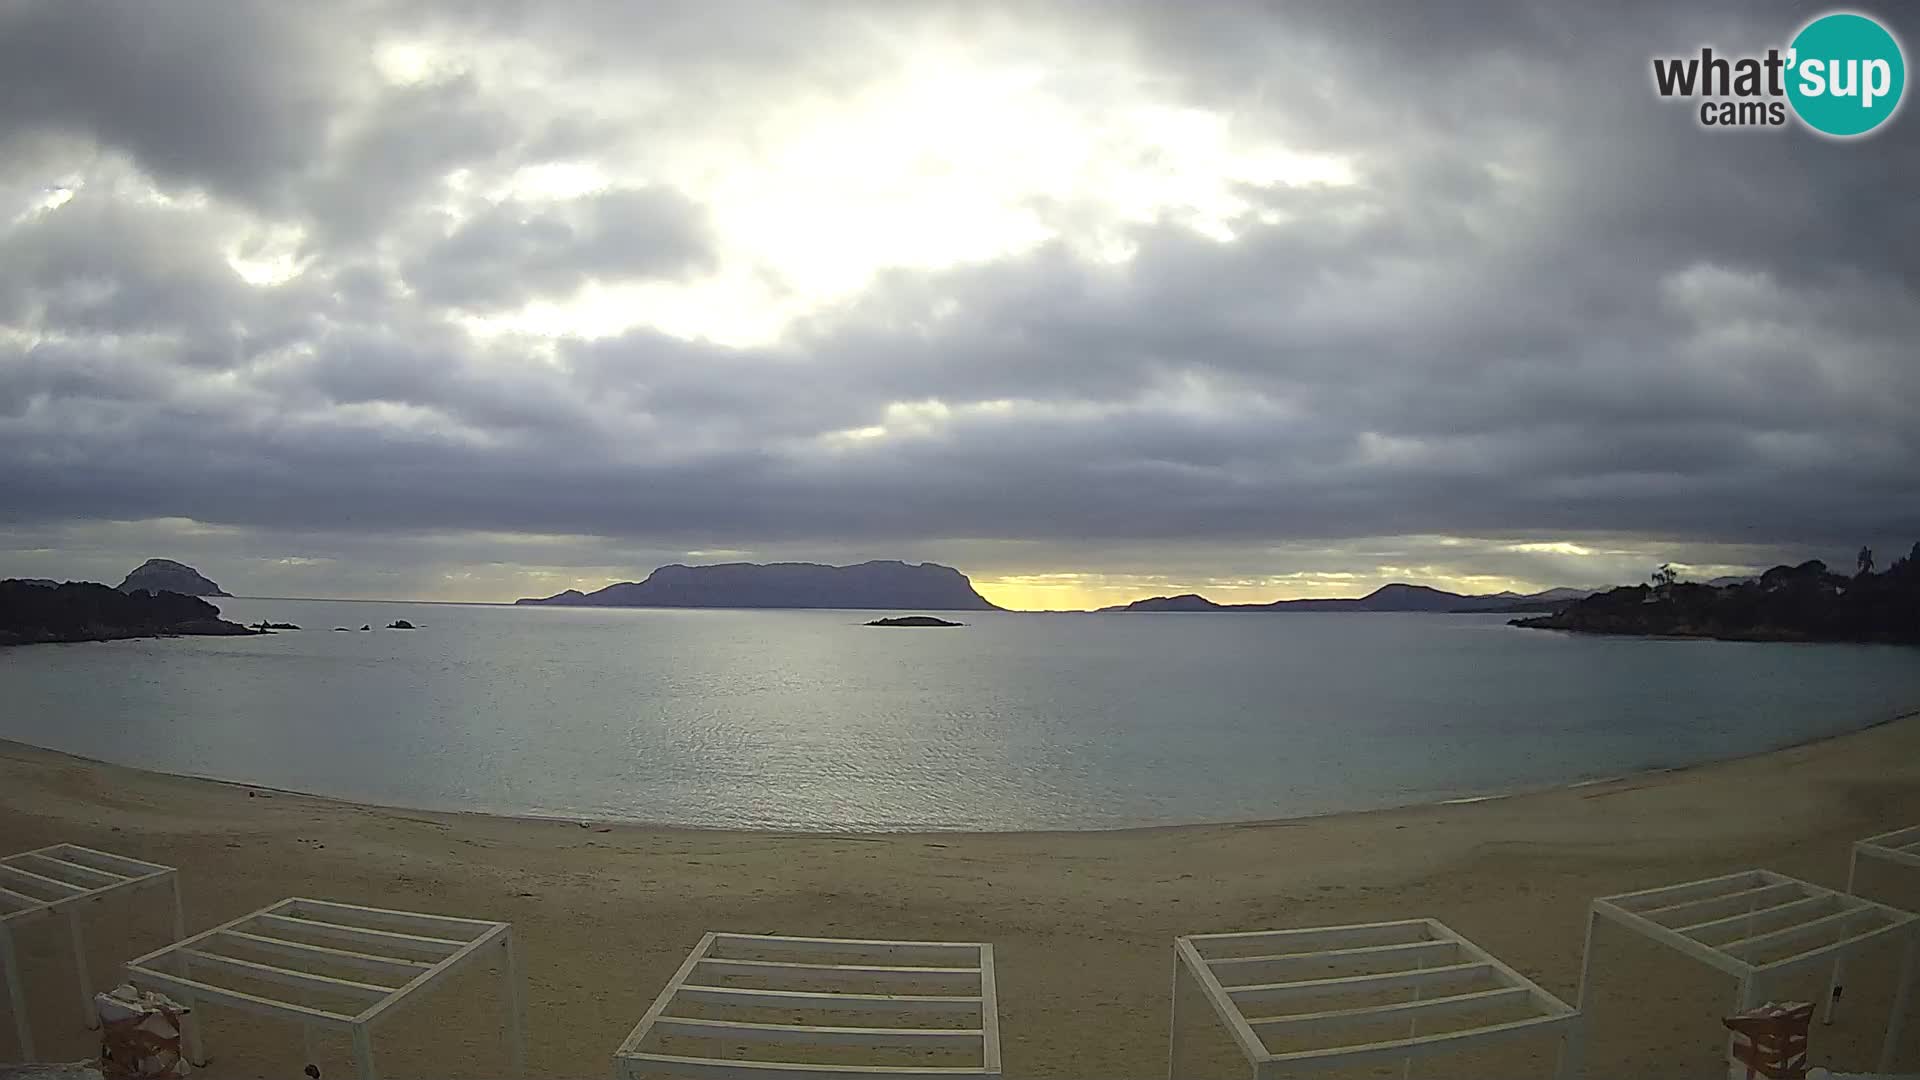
(33, 613)
(879, 584)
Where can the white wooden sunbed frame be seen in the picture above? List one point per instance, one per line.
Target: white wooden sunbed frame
(402, 954)
(1425, 954)
(58, 880)
(1723, 921)
(1900, 847)
(963, 971)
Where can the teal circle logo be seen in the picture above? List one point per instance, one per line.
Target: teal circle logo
(1846, 74)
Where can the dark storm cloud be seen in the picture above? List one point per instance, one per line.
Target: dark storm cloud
(1549, 306)
(232, 96)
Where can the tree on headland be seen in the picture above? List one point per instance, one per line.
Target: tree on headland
(1906, 564)
(1804, 602)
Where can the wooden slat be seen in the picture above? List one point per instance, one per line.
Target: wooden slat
(1906, 856)
(1354, 983)
(362, 936)
(1811, 928)
(1688, 890)
(1666, 935)
(1400, 931)
(1257, 967)
(1187, 956)
(1831, 948)
(1437, 1006)
(932, 951)
(641, 1030)
(89, 878)
(363, 961)
(1545, 1003)
(731, 995)
(809, 1035)
(1898, 838)
(18, 901)
(1420, 1045)
(638, 1065)
(1744, 900)
(25, 878)
(1805, 903)
(440, 970)
(206, 993)
(107, 860)
(253, 969)
(778, 971)
(406, 922)
(990, 1010)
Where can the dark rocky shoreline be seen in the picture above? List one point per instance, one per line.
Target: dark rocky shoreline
(36, 614)
(1787, 603)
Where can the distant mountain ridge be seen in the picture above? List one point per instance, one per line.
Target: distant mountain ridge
(1395, 597)
(868, 585)
(164, 575)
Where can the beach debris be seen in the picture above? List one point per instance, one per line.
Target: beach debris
(1769, 1041)
(140, 1034)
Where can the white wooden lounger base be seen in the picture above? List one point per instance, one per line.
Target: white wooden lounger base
(950, 981)
(1434, 971)
(61, 880)
(1901, 847)
(1756, 925)
(395, 955)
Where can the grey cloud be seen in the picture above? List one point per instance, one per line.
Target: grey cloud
(229, 96)
(397, 151)
(509, 253)
(1552, 306)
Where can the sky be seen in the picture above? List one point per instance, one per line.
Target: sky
(492, 298)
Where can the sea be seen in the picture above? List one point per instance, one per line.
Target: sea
(812, 721)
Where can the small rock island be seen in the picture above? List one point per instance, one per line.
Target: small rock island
(913, 620)
(164, 575)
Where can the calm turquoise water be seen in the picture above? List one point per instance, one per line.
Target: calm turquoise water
(808, 720)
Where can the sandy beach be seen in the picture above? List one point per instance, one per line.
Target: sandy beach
(1082, 922)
